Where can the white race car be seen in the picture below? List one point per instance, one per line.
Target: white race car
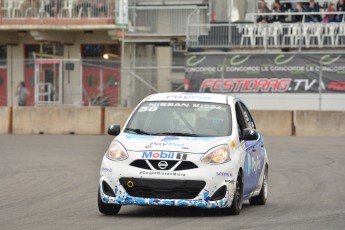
(185, 149)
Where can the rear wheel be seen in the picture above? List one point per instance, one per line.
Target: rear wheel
(262, 197)
(107, 209)
(236, 205)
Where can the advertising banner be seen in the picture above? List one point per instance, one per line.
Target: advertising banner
(265, 73)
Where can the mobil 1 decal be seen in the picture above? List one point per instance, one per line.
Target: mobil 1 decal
(266, 73)
(163, 155)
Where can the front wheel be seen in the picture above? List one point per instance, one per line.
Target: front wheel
(262, 197)
(236, 205)
(107, 209)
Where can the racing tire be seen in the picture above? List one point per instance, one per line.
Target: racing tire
(236, 205)
(262, 197)
(107, 209)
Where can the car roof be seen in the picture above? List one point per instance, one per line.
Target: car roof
(201, 97)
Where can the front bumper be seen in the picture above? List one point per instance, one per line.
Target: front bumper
(215, 176)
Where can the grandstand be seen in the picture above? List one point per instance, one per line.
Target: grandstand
(57, 47)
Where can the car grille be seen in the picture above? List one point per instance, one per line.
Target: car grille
(162, 189)
(154, 163)
(140, 164)
(185, 165)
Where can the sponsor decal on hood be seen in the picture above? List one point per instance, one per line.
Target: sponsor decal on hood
(154, 144)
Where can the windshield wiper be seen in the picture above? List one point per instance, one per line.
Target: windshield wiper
(138, 131)
(178, 134)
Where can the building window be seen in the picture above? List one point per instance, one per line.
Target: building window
(49, 49)
(3, 55)
(92, 54)
(96, 51)
(29, 51)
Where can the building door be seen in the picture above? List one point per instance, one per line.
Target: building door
(3, 75)
(3, 86)
(48, 81)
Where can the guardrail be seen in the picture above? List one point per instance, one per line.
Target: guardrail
(72, 9)
(268, 35)
(164, 20)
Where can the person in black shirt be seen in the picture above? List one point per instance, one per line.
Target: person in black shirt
(313, 7)
(340, 8)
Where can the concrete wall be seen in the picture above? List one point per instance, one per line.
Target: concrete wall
(116, 116)
(56, 120)
(274, 123)
(316, 123)
(95, 120)
(4, 116)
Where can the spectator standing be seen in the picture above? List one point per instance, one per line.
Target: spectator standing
(263, 9)
(313, 7)
(278, 8)
(22, 93)
(340, 8)
(330, 17)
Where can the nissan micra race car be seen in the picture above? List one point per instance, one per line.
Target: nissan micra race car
(185, 149)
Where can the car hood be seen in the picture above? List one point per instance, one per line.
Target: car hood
(136, 142)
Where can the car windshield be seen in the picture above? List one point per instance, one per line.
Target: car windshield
(177, 118)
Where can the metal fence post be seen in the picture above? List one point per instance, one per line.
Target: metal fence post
(320, 87)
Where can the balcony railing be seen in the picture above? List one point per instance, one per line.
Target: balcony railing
(12, 10)
(268, 35)
(164, 20)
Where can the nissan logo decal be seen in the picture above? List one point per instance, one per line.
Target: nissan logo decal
(163, 165)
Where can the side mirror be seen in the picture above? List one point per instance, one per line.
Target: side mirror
(250, 134)
(114, 130)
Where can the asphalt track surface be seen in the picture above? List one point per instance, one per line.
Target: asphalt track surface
(50, 182)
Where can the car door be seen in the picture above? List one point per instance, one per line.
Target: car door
(255, 155)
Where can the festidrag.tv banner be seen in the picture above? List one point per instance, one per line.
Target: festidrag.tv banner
(265, 73)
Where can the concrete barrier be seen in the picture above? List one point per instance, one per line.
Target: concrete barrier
(95, 120)
(4, 120)
(274, 123)
(117, 116)
(320, 123)
(57, 120)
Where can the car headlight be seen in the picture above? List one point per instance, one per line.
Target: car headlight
(218, 155)
(116, 152)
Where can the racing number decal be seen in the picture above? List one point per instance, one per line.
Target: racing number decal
(148, 109)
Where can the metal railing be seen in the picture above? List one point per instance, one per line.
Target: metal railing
(38, 9)
(164, 20)
(268, 35)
